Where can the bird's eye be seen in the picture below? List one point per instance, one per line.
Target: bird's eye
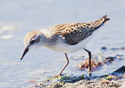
(32, 41)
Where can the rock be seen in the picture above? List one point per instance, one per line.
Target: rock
(121, 70)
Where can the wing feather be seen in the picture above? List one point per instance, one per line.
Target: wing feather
(73, 33)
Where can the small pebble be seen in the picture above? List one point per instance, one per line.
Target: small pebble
(103, 48)
(109, 59)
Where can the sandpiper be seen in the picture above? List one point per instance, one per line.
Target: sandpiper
(64, 38)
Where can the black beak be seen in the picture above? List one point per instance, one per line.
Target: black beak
(25, 51)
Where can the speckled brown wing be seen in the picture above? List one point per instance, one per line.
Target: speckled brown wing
(58, 29)
(76, 33)
(73, 33)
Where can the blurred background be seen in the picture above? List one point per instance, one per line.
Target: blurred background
(17, 17)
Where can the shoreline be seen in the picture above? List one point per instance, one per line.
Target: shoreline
(115, 80)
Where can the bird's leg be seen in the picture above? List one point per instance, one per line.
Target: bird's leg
(67, 62)
(89, 53)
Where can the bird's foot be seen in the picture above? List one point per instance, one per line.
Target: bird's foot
(57, 76)
(90, 73)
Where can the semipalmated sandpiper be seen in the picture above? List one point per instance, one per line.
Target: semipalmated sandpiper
(64, 38)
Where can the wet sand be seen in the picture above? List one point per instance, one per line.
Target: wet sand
(114, 80)
(19, 17)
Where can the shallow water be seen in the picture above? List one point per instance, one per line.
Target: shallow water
(19, 17)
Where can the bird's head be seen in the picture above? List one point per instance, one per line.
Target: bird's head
(32, 41)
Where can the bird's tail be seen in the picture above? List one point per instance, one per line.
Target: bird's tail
(100, 22)
(105, 19)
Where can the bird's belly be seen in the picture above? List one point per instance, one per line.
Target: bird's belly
(66, 48)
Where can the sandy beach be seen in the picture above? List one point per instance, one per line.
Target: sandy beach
(18, 17)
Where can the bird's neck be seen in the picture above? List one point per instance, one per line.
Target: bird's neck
(47, 38)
